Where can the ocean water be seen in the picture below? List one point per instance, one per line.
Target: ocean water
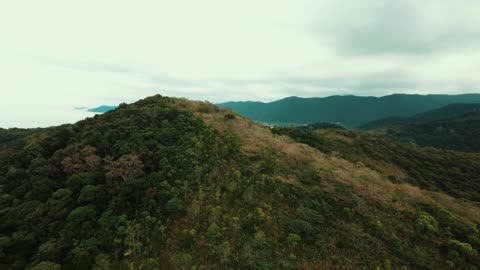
(39, 116)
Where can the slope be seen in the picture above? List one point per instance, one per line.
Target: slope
(174, 184)
(443, 113)
(455, 127)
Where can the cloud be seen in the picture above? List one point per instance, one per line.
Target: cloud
(399, 27)
(62, 54)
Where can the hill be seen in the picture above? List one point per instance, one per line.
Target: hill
(443, 113)
(455, 173)
(455, 127)
(102, 109)
(169, 183)
(348, 111)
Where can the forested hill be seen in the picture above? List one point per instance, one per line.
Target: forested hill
(349, 111)
(455, 126)
(169, 183)
(444, 113)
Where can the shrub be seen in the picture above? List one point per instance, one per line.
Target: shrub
(309, 176)
(293, 239)
(182, 261)
(425, 226)
(46, 265)
(462, 248)
(174, 205)
(229, 116)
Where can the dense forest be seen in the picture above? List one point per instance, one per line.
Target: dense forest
(447, 112)
(168, 183)
(455, 127)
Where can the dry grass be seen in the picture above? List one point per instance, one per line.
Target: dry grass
(370, 184)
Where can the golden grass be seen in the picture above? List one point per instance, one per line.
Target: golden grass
(256, 139)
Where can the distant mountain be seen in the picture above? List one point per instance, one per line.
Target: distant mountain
(456, 127)
(443, 113)
(321, 126)
(349, 111)
(102, 109)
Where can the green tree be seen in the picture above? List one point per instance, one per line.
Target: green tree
(293, 239)
(102, 262)
(132, 239)
(42, 188)
(425, 226)
(80, 258)
(48, 251)
(22, 243)
(80, 222)
(194, 209)
(46, 265)
(182, 261)
(248, 194)
(213, 237)
(174, 205)
(88, 194)
(215, 213)
(5, 244)
(224, 250)
(464, 249)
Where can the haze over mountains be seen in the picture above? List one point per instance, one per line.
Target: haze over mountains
(349, 111)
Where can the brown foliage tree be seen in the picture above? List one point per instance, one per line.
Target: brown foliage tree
(122, 169)
(84, 160)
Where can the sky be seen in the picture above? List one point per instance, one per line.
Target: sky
(58, 55)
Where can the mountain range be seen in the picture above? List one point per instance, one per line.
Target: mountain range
(167, 183)
(348, 111)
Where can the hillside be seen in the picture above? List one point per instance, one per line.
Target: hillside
(348, 111)
(455, 173)
(443, 113)
(169, 183)
(455, 127)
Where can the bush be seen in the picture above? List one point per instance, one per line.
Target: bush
(46, 265)
(302, 228)
(62, 193)
(309, 176)
(293, 239)
(229, 116)
(425, 226)
(89, 194)
(174, 205)
(182, 261)
(462, 248)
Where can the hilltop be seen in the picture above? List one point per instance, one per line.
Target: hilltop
(168, 183)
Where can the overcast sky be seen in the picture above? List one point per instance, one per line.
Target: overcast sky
(85, 53)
